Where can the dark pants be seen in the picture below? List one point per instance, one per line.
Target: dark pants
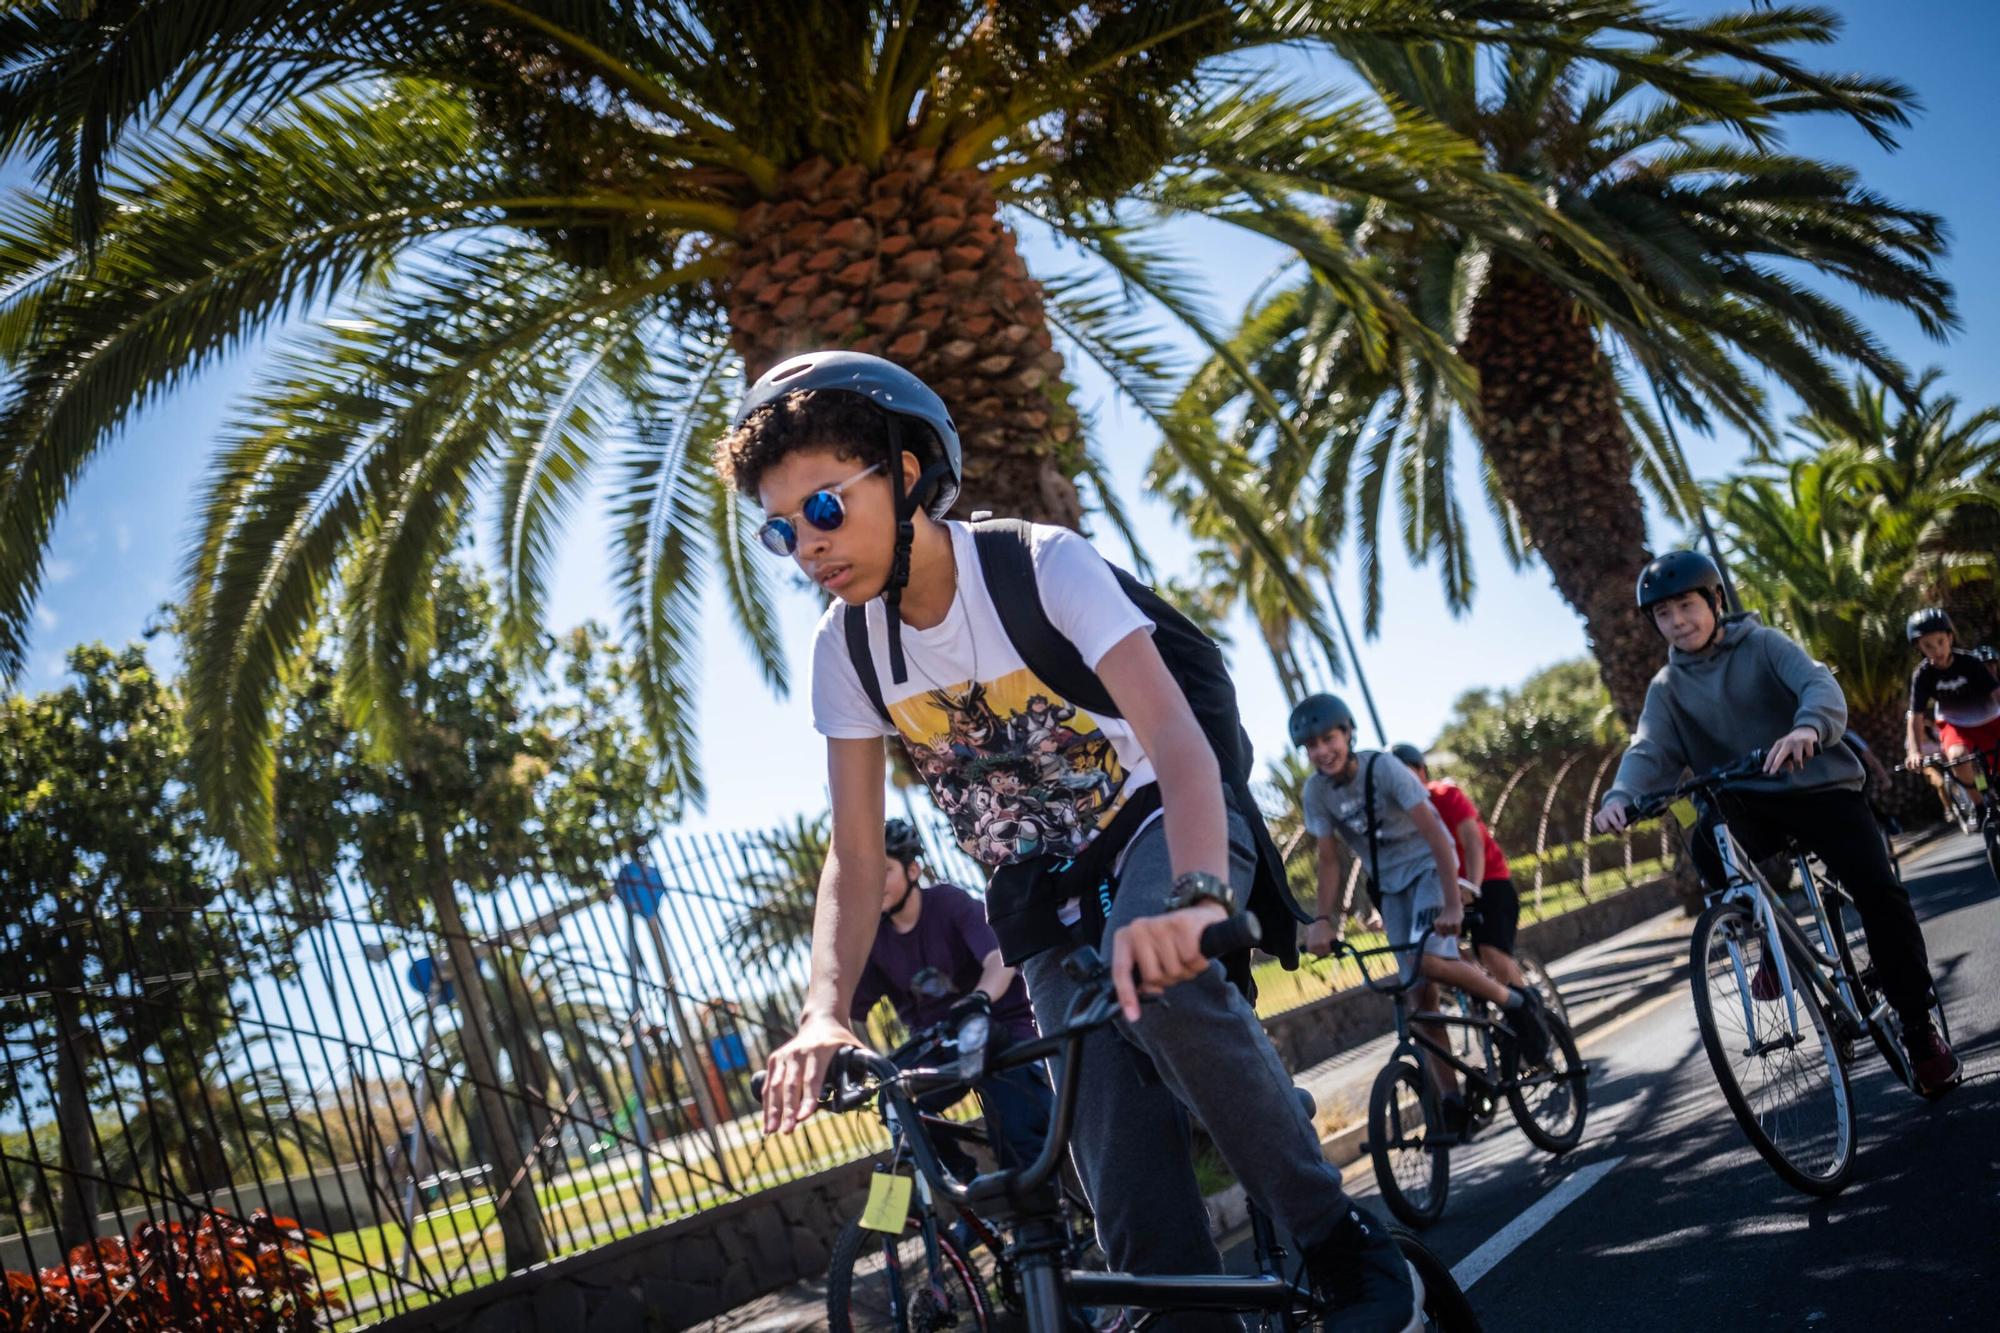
(1840, 829)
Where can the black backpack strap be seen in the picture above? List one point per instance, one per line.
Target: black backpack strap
(855, 622)
(1374, 826)
(1007, 566)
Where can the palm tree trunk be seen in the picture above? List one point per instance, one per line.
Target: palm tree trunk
(520, 1220)
(1554, 431)
(912, 263)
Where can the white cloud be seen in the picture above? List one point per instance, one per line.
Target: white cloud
(60, 571)
(45, 618)
(123, 537)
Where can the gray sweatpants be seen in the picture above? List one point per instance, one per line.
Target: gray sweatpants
(1131, 1144)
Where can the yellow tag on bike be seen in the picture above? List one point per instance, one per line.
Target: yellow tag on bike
(1684, 812)
(888, 1204)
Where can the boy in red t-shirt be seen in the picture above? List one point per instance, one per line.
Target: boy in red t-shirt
(1481, 862)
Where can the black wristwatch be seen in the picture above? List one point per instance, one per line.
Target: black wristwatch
(1198, 886)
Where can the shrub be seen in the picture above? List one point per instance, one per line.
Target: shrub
(221, 1275)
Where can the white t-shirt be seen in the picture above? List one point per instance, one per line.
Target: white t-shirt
(1018, 770)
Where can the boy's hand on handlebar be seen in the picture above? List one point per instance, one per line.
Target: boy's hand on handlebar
(1792, 750)
(1156, 952)
(1320, 937)
(1913, 759)
(1449, 920)
(797, 1070)
(1615, 815)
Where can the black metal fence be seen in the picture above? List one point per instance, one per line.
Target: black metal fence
(292, 1111)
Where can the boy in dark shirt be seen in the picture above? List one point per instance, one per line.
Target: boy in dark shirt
(934, 959)
(1963, 690)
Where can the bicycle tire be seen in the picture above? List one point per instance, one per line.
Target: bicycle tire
(858, 1295)
(1556, 1136)
(1399, 1092)
(1538, 979)
(1826, 1171)
(1447, 1309)
(1989, 833)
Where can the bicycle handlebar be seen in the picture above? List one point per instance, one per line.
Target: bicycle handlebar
(1096, 1003)
(1398, 985)
(1750, 765)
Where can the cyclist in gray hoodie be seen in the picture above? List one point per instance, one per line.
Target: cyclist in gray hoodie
(1732, 683)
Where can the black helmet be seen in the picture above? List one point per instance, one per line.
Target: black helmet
(1317, 714)
(1930, 620)
(889, 387)
(1409, 754)
(1677, 572)
(900, 841)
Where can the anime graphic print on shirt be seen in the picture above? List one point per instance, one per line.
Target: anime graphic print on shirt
(1018, 772)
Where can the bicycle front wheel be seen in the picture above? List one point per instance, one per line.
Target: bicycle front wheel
(1788, 1089)
(878, 1283)
(1447, 1309)
(1544, 985)
(1550, 1107)
(1412, 1167)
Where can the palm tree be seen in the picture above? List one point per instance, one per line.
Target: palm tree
(778, 921)
(1707, 216)
(550, 236)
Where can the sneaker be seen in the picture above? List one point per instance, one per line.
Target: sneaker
(1531, 1031)
(1361, 1274)
(1457, 1119)
(1936, 1068)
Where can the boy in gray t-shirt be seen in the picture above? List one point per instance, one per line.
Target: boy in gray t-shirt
(1416, 865)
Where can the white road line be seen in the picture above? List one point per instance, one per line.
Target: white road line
(1509, 1238)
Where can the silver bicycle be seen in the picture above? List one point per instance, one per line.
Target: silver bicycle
(1782, 1006)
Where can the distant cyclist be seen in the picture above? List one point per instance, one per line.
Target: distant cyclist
(1731, 684)
(1370, 802)
(935, 959)
(1961, 687)
(1480, 862)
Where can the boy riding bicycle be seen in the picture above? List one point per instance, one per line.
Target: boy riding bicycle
(855, 462)
(1374, 805)
(1731, 683)
(1964, 690)
(1481, 864)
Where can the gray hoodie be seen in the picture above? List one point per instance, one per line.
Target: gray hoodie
(1741, 693)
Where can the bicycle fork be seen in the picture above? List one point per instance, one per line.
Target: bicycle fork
(1741, 883)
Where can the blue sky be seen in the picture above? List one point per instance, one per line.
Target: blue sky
(118, 549)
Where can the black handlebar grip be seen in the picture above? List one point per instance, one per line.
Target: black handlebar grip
(757, 1087)
(1231, 935)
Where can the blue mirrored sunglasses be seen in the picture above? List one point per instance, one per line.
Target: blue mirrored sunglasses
(823, 509)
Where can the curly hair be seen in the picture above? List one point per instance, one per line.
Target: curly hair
(847, 423)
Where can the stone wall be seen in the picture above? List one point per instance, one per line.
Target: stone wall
(670, 1277)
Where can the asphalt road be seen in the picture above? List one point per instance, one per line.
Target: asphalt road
(1673, 1222)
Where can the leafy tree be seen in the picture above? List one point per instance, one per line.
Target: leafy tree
(1837, 543)
(555, 233)
(1666, 156)
(104, 874)
(481, 776)
(1559, 710)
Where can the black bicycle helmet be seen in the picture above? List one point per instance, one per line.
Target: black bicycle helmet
(1930, 620)
(1317, 714)
(1409, 754)
(1677, 572)
(900, 841)
(888, 386)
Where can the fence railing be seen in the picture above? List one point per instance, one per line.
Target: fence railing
(328, 1093)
